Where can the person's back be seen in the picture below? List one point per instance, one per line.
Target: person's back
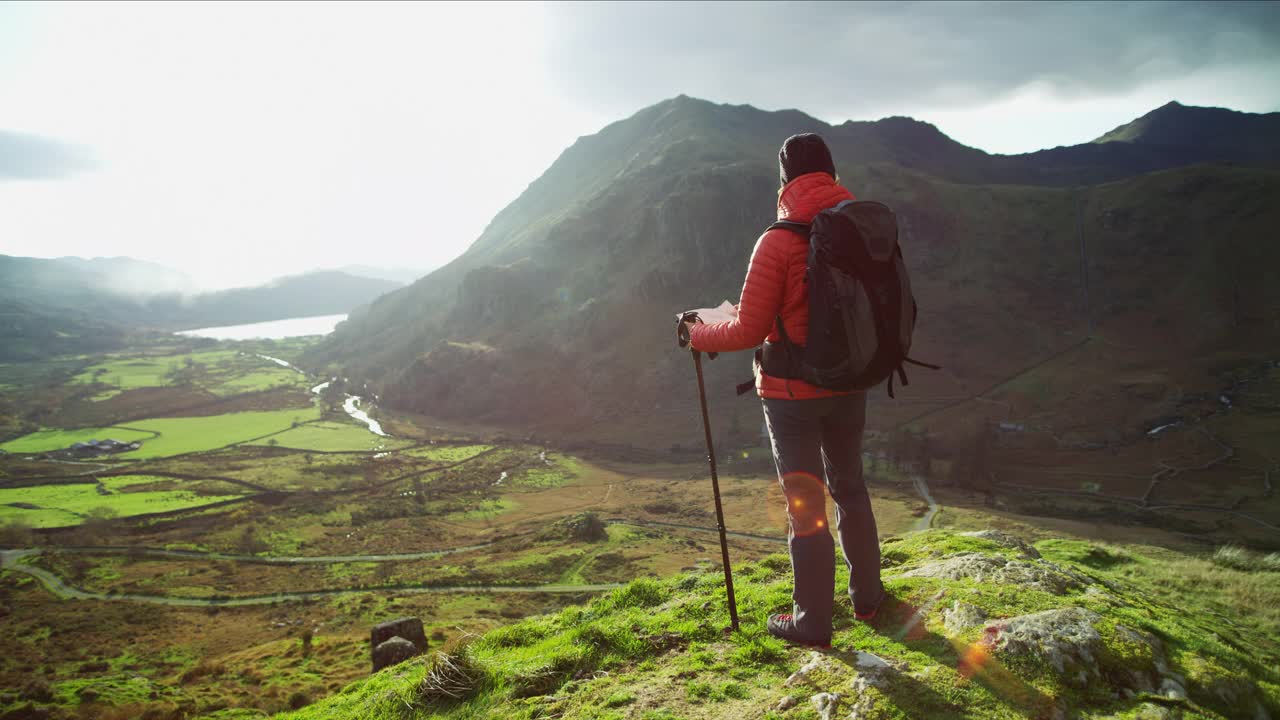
(816, 433)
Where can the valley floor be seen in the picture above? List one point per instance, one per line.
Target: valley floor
(233, 564)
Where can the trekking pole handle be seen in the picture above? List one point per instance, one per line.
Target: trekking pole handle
(682, 332)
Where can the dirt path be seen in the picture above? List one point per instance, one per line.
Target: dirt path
(922, 487)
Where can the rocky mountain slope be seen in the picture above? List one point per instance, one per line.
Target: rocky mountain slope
(558, 318)
(981, 625)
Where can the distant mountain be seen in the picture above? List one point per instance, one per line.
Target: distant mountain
(317, 293)
(1217, 134)
(398, 275)
(559, 317)
(127, 276)
(72, 305)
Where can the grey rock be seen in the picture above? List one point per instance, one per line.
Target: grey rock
(870, 662)
(1039, 574)
(786, 703)
(1066, 639)
(1004, 539)
(827, 704)
(1173, 689)
(809, 672)
(962, 616)
(393, 652)
(409, 628)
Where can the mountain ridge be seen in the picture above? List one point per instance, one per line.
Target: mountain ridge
(572, 285)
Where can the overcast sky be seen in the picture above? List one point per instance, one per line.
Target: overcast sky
(243, 141)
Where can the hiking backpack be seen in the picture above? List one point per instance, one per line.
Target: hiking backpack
(861, 310)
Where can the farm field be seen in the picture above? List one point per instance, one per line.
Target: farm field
(54, 439)
(52, 506)
(331, 437)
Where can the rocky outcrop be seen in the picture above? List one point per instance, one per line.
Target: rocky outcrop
(1065, 639)
(1004, 539)
(962, 616)
(1039, 574)
(841, 685)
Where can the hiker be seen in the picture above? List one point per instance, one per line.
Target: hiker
(816, 434)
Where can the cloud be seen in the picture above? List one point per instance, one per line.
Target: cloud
(861, 59)
(32, 157)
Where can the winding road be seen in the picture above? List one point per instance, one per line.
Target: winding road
(922, 487)
(11, 560)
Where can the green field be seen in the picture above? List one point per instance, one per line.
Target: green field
(264, 379)
(65, 505)
(332, 437)
(449, 453)
(222, 372)
(178, 436)
(172, 436)
(53, 439)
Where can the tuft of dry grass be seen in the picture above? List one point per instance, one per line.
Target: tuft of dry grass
(451, 678)
(1239, 558)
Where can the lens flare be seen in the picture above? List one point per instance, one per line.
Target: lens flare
(806, 503)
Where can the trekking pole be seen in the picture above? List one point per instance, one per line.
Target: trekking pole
(715, 489)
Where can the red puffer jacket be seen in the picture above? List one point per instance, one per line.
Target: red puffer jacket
(775, 286)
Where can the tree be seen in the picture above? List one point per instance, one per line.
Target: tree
(307, 636)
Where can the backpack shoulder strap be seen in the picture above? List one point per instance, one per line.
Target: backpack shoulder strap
(789, 225)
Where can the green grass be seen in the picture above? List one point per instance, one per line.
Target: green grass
(172, 436)
(222, 372)
(332, 437)
(139, 372)
(485, 510)
(555, 472)
(448, 453)
(656, 648)
(264, 379)
(68, 505)
(178, 436)
(54, 439)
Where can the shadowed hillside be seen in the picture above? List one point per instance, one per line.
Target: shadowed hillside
(559, 316)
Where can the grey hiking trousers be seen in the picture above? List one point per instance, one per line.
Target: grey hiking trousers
(817, 447)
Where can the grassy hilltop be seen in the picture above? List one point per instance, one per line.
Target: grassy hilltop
(982, 625)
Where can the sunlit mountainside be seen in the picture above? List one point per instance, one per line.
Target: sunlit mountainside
(557, 317)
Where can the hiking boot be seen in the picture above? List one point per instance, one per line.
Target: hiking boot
(784, 626)
(866, 610)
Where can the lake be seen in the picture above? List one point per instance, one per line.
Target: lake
(272, 329)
